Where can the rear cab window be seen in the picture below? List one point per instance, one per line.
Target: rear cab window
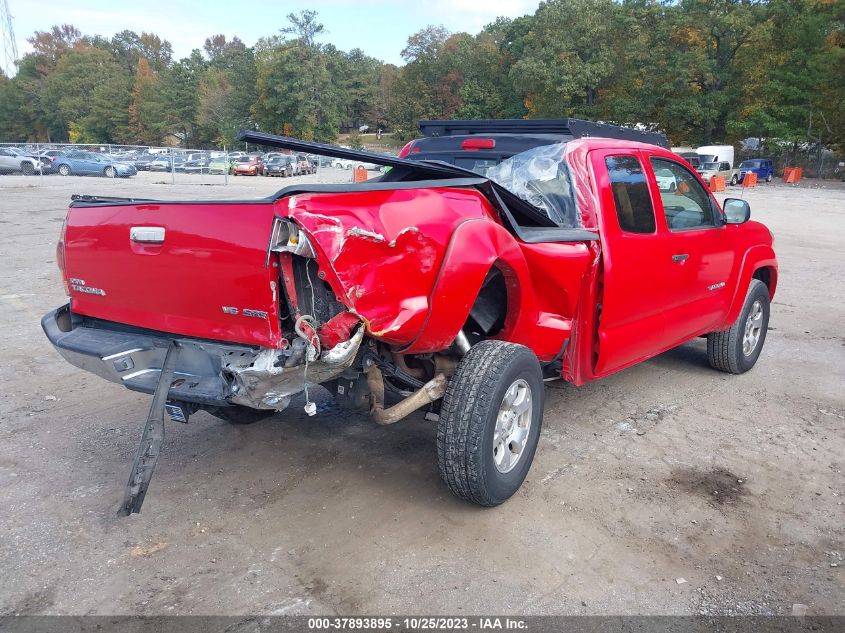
(540, 177)
(479, 165)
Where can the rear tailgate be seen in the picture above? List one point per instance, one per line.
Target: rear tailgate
(208, 277)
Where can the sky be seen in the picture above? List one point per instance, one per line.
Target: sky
(379, 27)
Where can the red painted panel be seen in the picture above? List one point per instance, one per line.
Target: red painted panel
(213, 256)
(381, 251)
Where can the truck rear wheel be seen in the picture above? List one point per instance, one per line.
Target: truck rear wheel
(490, 422)
(238, 414)
(737, 349)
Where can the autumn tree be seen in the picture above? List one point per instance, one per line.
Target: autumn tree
(145, 117)
(295, 91)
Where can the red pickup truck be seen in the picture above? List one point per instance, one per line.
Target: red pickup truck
(430, 287)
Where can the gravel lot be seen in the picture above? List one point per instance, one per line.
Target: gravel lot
(666, 489)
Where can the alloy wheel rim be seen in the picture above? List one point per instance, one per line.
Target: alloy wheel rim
(753, 329)
(513, 425)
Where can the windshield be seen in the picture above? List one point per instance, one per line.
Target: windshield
(748, 164)
(714, 166)
(540, 177)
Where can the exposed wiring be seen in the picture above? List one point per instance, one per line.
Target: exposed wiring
(311, 337)
(311, 353)
(313, 343)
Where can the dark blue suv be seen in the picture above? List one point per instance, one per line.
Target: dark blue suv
(763, 167)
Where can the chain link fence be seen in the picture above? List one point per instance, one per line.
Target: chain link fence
(55, 163)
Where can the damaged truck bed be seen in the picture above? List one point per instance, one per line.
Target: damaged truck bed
(430, 287)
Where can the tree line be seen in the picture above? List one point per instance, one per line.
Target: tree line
(699, 70)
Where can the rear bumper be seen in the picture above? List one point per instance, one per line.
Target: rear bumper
(207, 373)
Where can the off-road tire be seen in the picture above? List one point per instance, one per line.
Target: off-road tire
(468, 419)
(734, 180)
(724, 349)
(27, 169)
(238, 414)
(769, 178)
(64, 170)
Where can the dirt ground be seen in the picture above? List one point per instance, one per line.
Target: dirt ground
(668, 488)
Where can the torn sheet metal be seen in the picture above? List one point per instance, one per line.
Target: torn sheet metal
(267, 384)
(381, 251)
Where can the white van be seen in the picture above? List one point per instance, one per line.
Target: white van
(716, 154)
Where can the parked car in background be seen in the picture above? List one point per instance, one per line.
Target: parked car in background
(763, 167)
(305, 165)
(14, 160)
(692, 158)
(51, 154)
(142, 161)
(282, 165)
(219, 166)
(82, 163)
(341, 163)
(167, 163)
(723, 169)
(716, 154)
(248, 166)
(197, 165)
(666, 180)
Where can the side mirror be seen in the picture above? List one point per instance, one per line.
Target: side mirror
(736, 211)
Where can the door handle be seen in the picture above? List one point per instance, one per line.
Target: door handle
(680, 258)
(147, 234)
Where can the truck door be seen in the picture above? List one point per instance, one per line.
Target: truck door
(700, 251)
(635, 263)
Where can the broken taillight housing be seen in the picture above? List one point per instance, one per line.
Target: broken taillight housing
(60, 257)
(287, 237)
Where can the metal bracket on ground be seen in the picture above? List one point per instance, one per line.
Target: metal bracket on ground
(151, 440)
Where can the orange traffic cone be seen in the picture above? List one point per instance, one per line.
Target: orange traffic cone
(359, 174)
(717, 183)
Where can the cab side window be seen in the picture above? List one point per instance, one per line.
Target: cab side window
(685, 201)
(634, 208)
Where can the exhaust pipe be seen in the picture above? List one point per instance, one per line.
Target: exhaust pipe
(431, 391)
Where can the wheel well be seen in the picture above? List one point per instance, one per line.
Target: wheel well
(487, 316)
(764, 275)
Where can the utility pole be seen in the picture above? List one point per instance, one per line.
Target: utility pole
(7, 35)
